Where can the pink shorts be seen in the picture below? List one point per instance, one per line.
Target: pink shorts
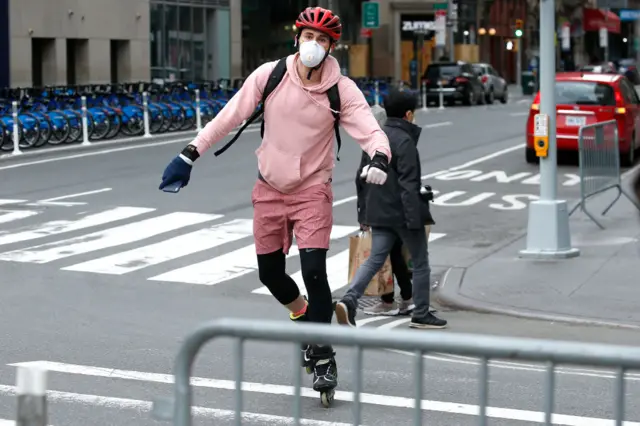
(276, 217)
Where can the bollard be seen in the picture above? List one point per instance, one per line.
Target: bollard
(198, 117)
(376, 85)
(441, 96)
(85, 122)
(425, 107)
(31, 387)
(145, 113)
(16, 129)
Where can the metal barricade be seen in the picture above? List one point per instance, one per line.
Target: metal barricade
(599, 165)
(486, 348)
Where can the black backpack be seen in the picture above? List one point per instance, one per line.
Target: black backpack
(274, 79)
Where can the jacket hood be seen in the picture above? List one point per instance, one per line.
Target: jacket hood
(330, 73)
(410, 128)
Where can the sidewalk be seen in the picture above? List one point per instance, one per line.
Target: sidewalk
(600, 287)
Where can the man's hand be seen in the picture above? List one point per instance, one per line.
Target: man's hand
(179, 169)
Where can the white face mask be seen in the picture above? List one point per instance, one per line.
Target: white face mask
(311, 53)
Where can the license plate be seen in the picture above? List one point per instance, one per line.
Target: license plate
(444, 82)
(576, 121)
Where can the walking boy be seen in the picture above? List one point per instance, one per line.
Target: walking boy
(396, 209)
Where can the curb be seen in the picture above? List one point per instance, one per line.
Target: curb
(447, 294)
(76, 147)
(133, 141)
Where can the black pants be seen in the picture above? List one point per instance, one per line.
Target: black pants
(401, 272)
(272, 272)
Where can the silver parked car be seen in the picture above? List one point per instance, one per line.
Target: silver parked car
(495, 87)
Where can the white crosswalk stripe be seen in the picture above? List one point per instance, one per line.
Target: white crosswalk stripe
(7, 216)
(62, 226)
(173, 248)
(131, 239)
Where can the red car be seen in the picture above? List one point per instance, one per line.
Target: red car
(587, 98)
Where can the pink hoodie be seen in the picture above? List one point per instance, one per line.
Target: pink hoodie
(299, 144)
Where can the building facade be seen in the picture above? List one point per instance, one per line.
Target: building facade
(59, 42)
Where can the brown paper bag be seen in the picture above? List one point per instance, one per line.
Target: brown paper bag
(407, 255)
(359, 251)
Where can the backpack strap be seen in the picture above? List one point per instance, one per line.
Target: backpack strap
(275, 78)
(334, 103)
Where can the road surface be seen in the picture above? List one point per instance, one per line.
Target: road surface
(103, 276)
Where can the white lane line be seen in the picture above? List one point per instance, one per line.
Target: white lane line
(273, 389)
(5, 201)
(394, 324)
(487, 157)
(124, 234)
(142, 145)
(360, 323)
(138, 405)
(56, 201)
(7, 216)
(167, 250)
(57, 227)
(433, 125)
(345, 200)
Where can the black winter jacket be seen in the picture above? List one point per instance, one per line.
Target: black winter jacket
(398, 202)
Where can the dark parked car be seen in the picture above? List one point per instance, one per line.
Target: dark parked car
(457, 81)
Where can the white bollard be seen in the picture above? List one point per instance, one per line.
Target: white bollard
(198, 117)
(16, 129)
(425, 107)
(145, 113)
(85, 122)
(377, 93)
(441, 96)
(31, 388)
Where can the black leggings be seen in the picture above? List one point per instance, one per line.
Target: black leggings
(272, 273)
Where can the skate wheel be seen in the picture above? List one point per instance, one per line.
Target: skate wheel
(327, 398)
(308, 369)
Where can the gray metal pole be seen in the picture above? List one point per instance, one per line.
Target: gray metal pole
(548, 166)
(450, 30)
(519, 62)
(606, 46)
(548, 234)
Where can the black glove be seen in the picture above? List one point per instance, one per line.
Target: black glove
(426, 193)
(179, 169)
(379, 161)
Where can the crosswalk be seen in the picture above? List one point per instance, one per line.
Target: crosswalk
(122, 240)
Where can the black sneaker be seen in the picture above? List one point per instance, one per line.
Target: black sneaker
(345, 313)
(428, 322)
(325, 370)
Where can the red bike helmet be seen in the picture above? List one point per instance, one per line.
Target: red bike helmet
(322, 20)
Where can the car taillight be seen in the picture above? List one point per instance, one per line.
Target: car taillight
(536, 103)
(485, 78)
(461, 80)
(618, 98)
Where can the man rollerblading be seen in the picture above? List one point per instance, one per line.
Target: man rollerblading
(304, 99)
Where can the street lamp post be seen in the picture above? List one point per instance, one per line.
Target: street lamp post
(548, 234)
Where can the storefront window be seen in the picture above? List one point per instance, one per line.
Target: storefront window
(199, 17)
(156, 38)
(172, 44)
(182, 37)
(185, 62)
